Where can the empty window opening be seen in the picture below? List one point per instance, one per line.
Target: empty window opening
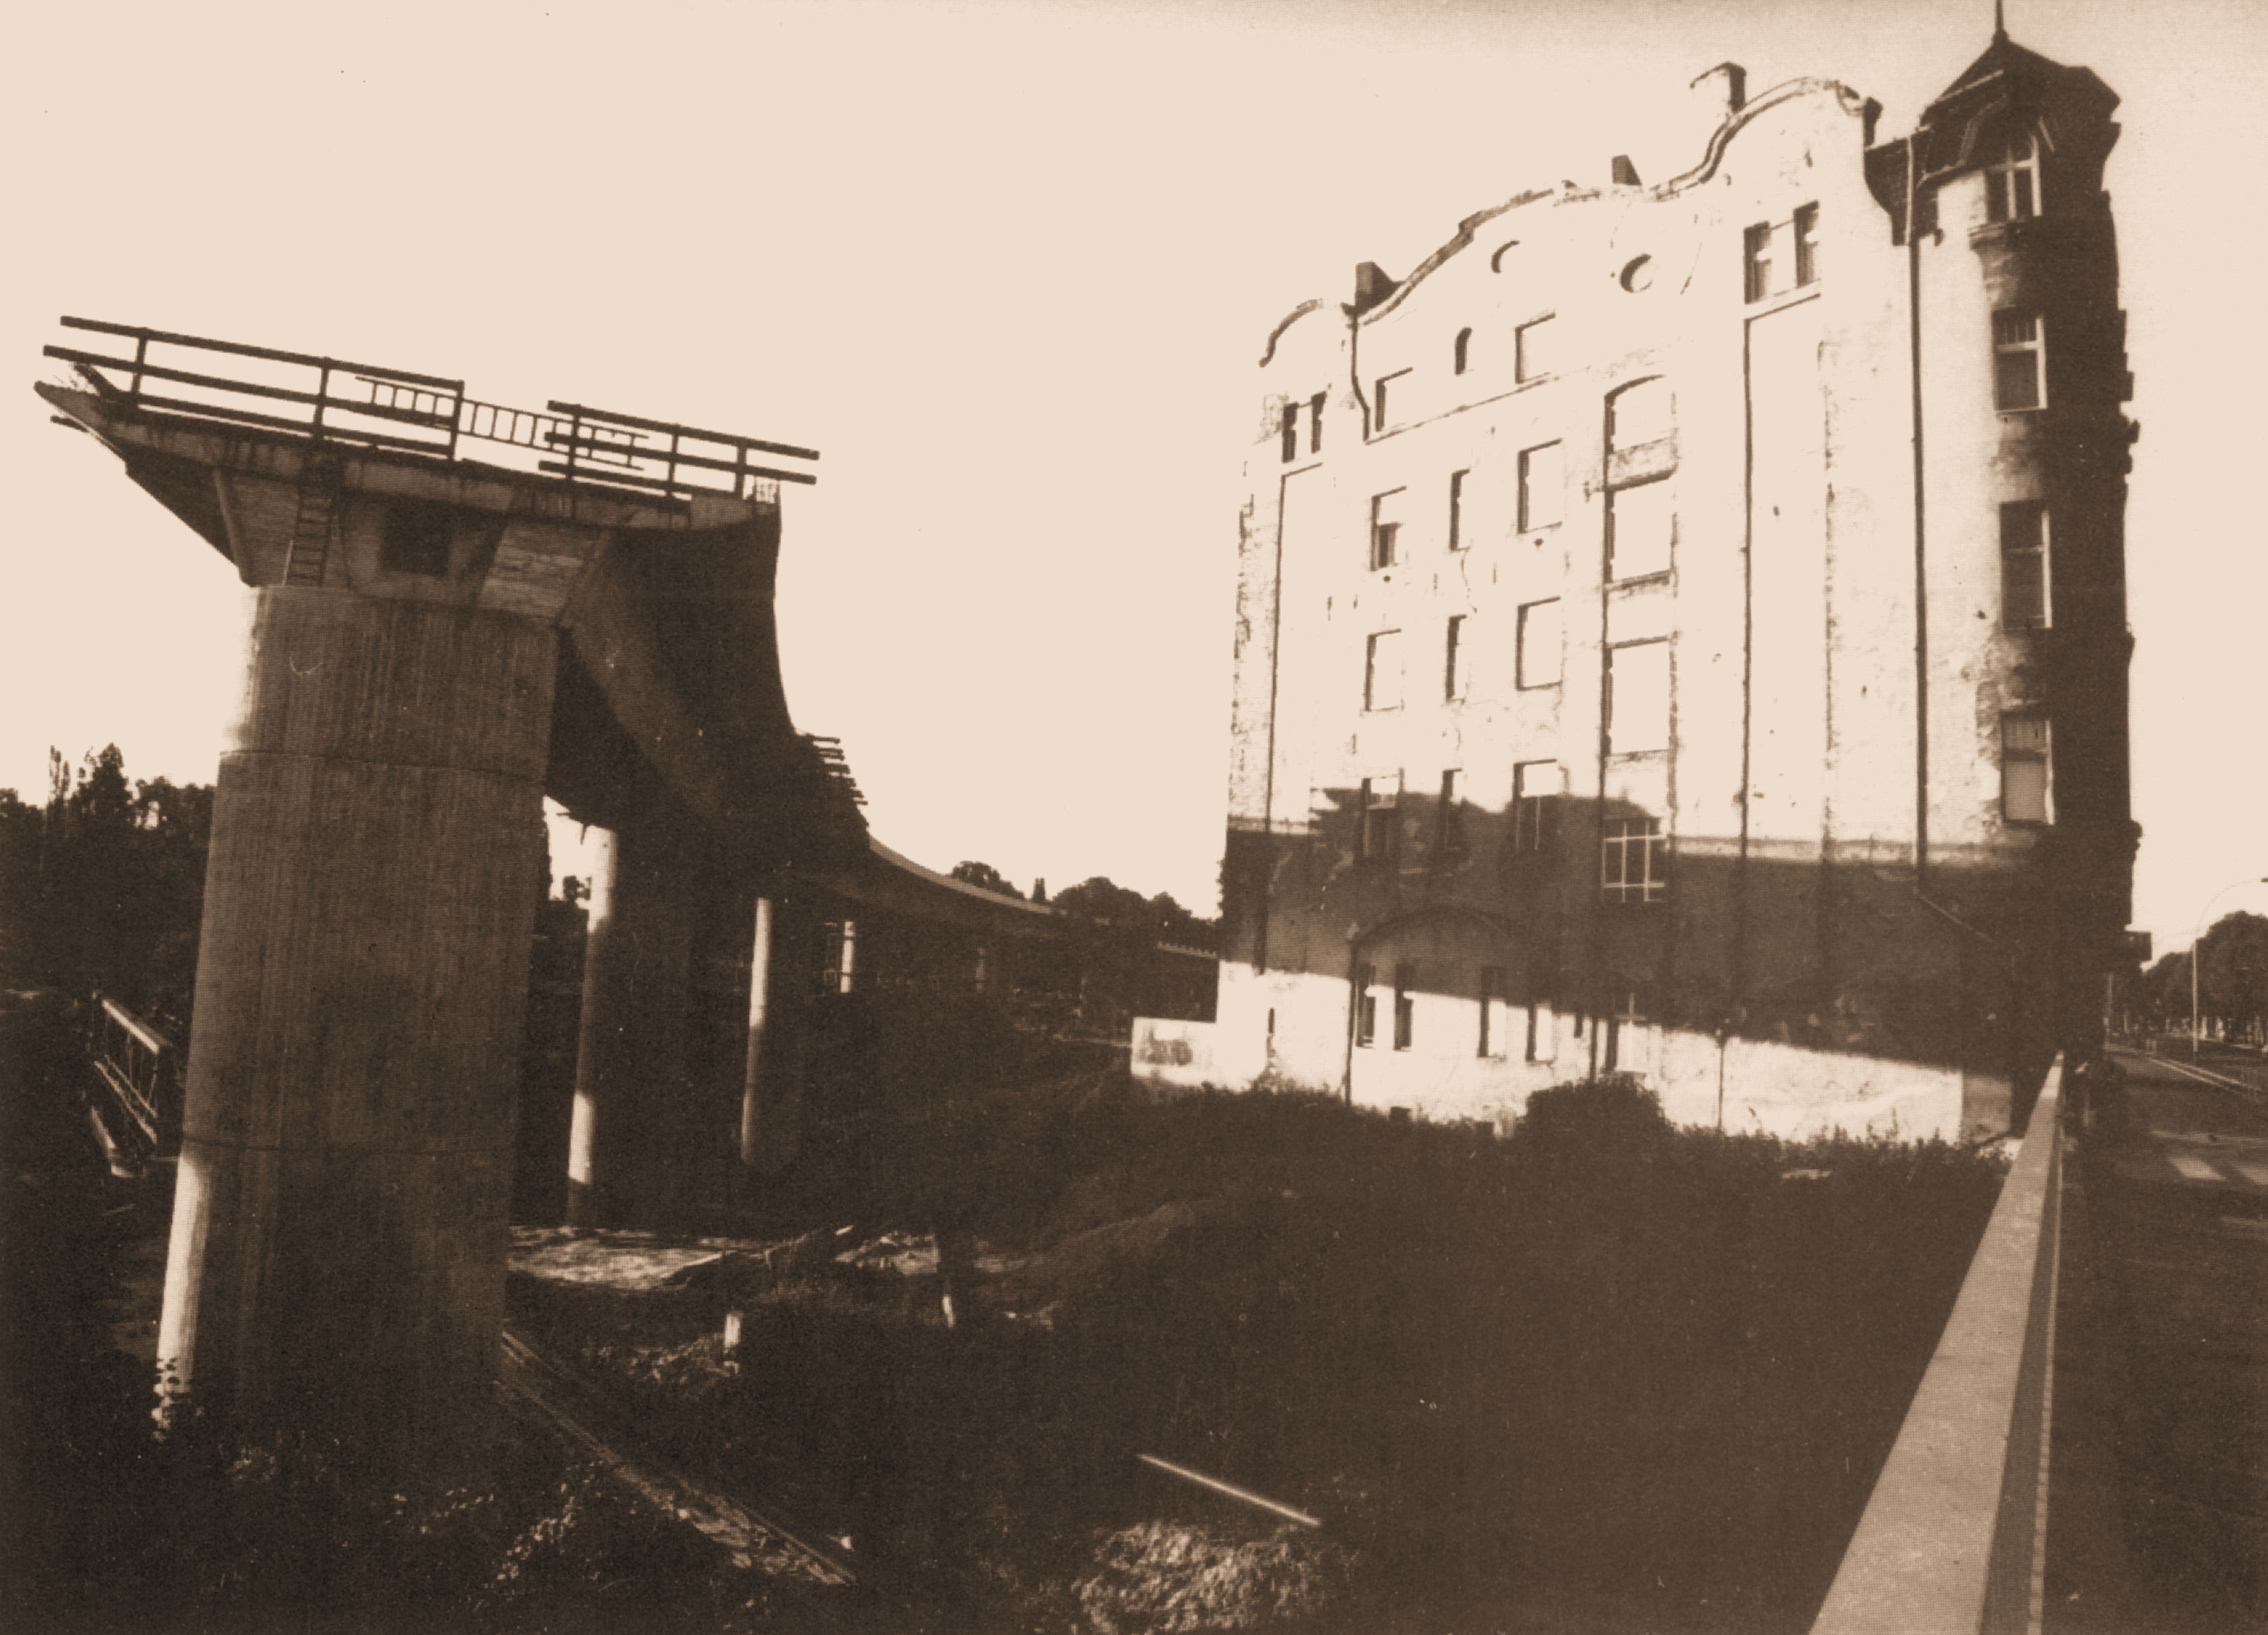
(1492, 1039)
(1381, 416)
(1638, 698)
(1641, 528)
(2024, 566)
(1535, 350)
(1449, 838)
(1541, 487)
(1633, 856)
(1382, 675)
(1462, 352)
(2012, 180)
(1538, 660)
(1381, 797)
(1807, 245)
(1457, 509)
(1291, 432)
(2024, 777)
(1386, 528)
(1405, 1005)
(1315, 423)
(1365, 1006)
(2019, 360)
(1756, 262)
(417, 536)
(1454, 651)
(1535, 806)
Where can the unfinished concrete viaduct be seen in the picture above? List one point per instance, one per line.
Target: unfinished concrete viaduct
(584, 610)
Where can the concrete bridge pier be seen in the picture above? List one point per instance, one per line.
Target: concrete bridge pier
(626, 1163)
(337, 1264)
(771, 1098)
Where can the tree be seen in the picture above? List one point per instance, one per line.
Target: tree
(986, 877)
(2231, 979)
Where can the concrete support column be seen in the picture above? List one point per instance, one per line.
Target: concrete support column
(632, 1074)
(337, 1254)
(583, 1132)
(771, 1100)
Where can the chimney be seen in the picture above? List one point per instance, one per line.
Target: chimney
(1720, 93)
(1625, 173)
(1370, 286)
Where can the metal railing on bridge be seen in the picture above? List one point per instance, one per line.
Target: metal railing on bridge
(138, 1118)
(328, 400)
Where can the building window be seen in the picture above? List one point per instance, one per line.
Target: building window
(1457, 509)
(1291, 432)
(1633, 856)
(1453, 651)
(1382, 673)
(1491, 1043)
(1642, 412)
(1542, 1033)
(2024, 767)
(1315, 423)
(1405, 1005)
(1541, 487)
(1385, 528)
(1365, 1006)
(2024, 566)
(1462, 352)
(1756, 260)
(1381, 798)
(1640, 527)
(1535, 350)
(2019, 360)
(1450, 841)
(1381, 418)
(1807, 245)
(1638, 698)
(1538, 660)
(839, 971)
(2012, 182)
(1535, 806)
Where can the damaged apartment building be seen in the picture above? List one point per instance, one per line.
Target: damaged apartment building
(1681, 631)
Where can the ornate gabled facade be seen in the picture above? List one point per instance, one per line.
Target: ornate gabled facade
(1681, 631)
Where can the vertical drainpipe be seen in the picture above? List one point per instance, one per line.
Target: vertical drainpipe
(1921, 532)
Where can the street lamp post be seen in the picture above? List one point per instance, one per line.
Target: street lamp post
(2197, 937)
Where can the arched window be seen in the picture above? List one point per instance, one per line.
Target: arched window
(1465, 347)
(1640, 413)
(2012, 180)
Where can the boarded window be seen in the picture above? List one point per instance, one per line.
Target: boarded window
(2024, 767)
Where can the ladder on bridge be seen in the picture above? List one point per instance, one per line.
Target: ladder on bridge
(321, 479)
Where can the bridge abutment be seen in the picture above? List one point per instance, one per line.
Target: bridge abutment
(337, 1254)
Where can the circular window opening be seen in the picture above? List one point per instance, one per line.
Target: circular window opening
(1639, 275)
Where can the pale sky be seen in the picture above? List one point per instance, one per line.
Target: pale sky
(1009, 266)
